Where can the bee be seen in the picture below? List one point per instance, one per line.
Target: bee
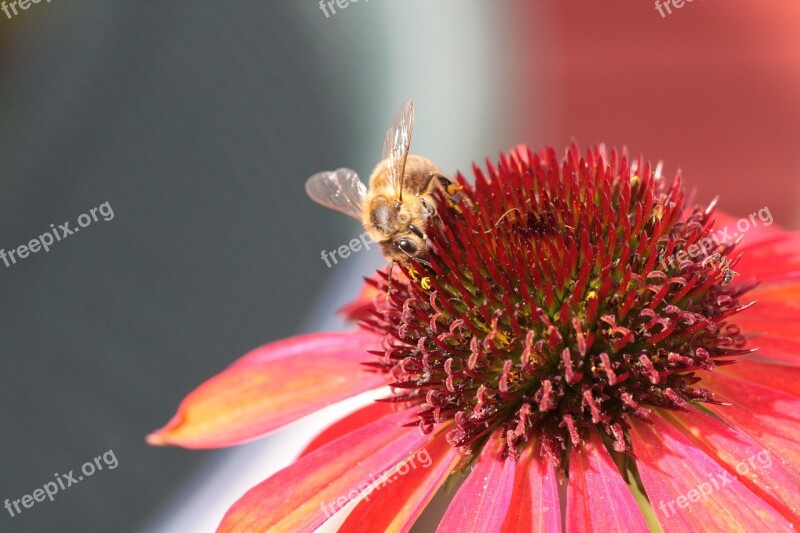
(399, 204)
(724, 264)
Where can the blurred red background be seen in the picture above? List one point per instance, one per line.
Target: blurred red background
(711, 89)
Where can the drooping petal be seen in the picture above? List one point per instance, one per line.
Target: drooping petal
(756, 467)
(535, 505)
(271, 387)
(597, 497)
(482, 501)
(690, 491)
(305, 494)
(775, 420)
(395, 507)
(348, 424)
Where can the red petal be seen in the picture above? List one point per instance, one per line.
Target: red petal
(305, 494)
(353, 421)
(755, 466)
(775, 350)
(271, 387)
(482, 501)
(397, 506)
(597, 497)
(535, 505)
(756, 233)
(673, 470)
(770, 259)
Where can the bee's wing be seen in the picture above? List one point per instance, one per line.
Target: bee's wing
(339, 189)
(396, 143)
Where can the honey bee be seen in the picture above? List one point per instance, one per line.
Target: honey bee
(724, 264)
(399, 204)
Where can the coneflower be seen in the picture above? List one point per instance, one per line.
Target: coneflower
(576, 324)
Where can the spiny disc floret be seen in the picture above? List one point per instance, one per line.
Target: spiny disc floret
(553, 303)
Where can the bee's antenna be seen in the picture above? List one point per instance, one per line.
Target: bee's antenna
(499, 220)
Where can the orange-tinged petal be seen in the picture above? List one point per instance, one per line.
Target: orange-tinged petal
(597, 497)
(482, 501)
(305, 494)
(535, 505)
(772, 322)
(271, 387)
(690, 491)
(395, 507)
(785, 291)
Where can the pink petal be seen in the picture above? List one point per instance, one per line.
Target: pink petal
(535, 505)
(756, 467)
(775, 422)
(597, 497)
(397, 506)
(674, 472)
(271, 387)
(305, 494)
(348, 424)
(482, 501)
(757, 233)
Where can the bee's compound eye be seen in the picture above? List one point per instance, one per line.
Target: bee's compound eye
(406, 246)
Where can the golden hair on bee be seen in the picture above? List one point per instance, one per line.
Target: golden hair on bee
(399, 203)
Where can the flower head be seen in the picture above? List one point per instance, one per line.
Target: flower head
(550, 311)
(574, 323)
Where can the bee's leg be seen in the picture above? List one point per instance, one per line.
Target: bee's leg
(427, 207)
(452, 191)
(447, 184)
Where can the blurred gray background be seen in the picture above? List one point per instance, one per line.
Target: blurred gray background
(198, 123)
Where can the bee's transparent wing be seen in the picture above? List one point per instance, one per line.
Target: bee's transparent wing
(339, 189)
(396, 143)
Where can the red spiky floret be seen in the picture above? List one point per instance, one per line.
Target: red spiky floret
(560, 295)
